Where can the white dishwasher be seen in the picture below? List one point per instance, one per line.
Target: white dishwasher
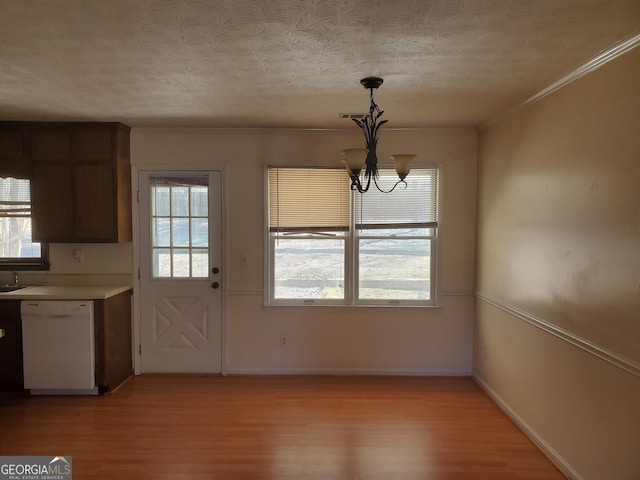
(58, 347)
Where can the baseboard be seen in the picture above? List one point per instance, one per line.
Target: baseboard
(350, 371)
(554, 456)
(64, 391)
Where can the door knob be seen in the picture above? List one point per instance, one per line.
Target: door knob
(215, 270)
(215, 285)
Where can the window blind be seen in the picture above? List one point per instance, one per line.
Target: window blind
(414, 206)
(180, 181)
(15, 198)
(308, 199)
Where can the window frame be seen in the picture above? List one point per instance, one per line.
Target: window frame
(27, 263)
(351, 254)
(356, 300)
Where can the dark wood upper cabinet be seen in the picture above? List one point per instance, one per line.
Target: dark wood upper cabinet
(81, 178)
(49, 144)
(14, 161)
(51, 203)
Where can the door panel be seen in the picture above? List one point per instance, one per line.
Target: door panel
(180, 247)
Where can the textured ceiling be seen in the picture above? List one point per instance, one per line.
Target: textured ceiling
(292, 63)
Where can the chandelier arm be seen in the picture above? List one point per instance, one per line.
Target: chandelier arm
(362, 190)
(404, 186)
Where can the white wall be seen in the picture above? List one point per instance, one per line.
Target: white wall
(557, 333)
(98, 264)
(331, 339)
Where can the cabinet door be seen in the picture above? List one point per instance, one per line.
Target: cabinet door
(51, 196)
(52, 203)
(81, 181)
(114, 360)
(95, 218)
(11, 372)
(51, 144)
(13, 159)
(93, 145)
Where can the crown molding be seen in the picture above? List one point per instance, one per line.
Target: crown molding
(274, 131)
(591, 65)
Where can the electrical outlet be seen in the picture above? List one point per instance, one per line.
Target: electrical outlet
(283, 340)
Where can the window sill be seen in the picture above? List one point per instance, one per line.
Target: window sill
(18, 267)
(287, 306)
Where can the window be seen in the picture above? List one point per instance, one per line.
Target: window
(180, 226)
(18, 251)
(328, 245)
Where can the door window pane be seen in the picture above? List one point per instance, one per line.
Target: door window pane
(160, 202)
(200, 263)
(180, 226)
(180, 232)
(199, 202)
(179, 201)
(199, 232)
(180, 258)
(161, 232)
(161, 262)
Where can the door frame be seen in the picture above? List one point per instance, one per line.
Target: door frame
(136, 171)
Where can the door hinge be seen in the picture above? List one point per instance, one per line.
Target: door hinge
(140, 349)
(138, 274)
(138, 196)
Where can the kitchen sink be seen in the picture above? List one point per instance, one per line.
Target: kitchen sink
(11, 288)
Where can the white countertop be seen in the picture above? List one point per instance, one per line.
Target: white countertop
(61, 292)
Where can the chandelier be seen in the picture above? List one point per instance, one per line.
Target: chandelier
(366, 158)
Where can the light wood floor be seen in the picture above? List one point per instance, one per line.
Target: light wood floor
(247, 427)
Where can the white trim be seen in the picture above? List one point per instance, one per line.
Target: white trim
(267, 253)
(610, 357)
(351, 371)
(135, 281)
(554, 456)
(349, 129)
(591, 65)
(224, 264)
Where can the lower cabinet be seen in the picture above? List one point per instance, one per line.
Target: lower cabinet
(113, 343)
(10, 346)
(114, 361)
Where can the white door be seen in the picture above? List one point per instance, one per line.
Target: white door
(180, 278)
